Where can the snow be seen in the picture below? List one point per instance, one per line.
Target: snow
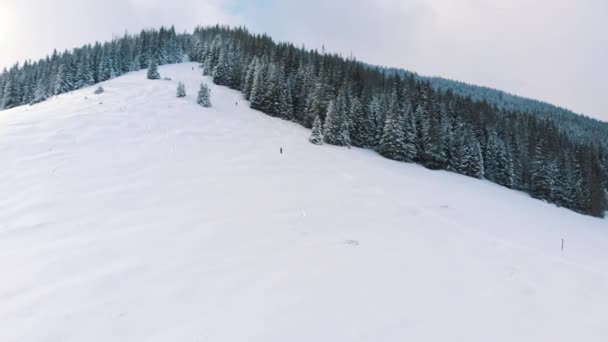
(137, 216)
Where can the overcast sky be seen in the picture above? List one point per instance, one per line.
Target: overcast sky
(552, 50)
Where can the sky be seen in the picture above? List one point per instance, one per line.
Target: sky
(551, 50)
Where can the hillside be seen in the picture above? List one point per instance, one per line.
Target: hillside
(576, 123)
(136, 216)
(554, 157)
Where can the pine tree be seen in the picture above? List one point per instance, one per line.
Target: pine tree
(317, 102)
(360, 131)
(316, 136)
(204, 96)
(465, 153)
(375, 123)
(181, 90)
(271, 101)
(40, 92)
(435, 150)
(285, 99)
(249, 78)
(9, 95)
(498, 163)
(105, 71)
(394, 144)
(153, 71)
(335, 131)
(258, 88)
(542, 174)
(423, 131)
(62, 83)
(472, 160)
(221, 72)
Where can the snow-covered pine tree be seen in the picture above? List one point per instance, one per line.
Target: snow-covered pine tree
(9, 95)
(316, 136)
(472, 159)
(318, 101)
(374, 123)
(104, 71)
(285, 99)
(423, 140)
(62, 83)
(543, 173)
(258, 88)
(221, 72)
(335, 130)
(563, 191)
(302, 86)
(40, 91)
(249, 77)
(271, 104)
(434, 153)
(181, 90)
(498, 163)
(204, 96)
(153, 71)
(393, 141)
(409, 121)
(360, 129)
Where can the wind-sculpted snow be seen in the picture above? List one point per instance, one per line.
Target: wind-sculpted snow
(133, 215)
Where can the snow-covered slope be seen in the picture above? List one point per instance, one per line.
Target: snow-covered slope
(136, 216)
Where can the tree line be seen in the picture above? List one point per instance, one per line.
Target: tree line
(562, 158)
(59, 73)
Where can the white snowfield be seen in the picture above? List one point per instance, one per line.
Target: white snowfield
(137, 216)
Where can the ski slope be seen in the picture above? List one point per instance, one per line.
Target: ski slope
(137, 216)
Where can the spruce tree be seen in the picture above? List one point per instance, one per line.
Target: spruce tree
(62, 83)
(249, 77)
(393, 141)
(360, 131)
(498, 166)
(9, 95)
(204, 96)
(374, 123)
(40, 91)
(316, 136)
(435, 150)
(221, 72)
(153, 71)
(258, 88)
(473, 160)
(335, 130)
(543, 173)
(105, 71)
(181, 90)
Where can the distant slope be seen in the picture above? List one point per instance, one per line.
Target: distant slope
(510, 102)
(136, 216)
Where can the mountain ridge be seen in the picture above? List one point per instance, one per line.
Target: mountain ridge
(560, 158)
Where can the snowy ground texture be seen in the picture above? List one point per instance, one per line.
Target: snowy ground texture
(136, 216)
